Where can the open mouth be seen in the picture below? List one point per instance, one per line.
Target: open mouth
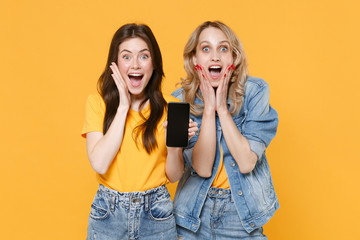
(215, 71)
(135, 79)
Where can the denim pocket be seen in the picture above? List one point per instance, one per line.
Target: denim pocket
(162, 209)
(100, 208)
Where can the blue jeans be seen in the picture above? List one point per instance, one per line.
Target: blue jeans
(132, 215)
(220, 220)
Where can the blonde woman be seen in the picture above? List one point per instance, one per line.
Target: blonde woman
(226, 191)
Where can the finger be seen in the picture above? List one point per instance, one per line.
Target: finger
(204, 83)
(117, 77)
(201, 76)
(230, 70)
(165, 124)
(114, 75)
(116, 71)
(192, 124)
(224, 81)
(165, 127)
(201, 72)
(193, 129)
(118, 82)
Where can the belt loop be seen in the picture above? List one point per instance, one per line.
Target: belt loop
(112, 205)
(147, 202)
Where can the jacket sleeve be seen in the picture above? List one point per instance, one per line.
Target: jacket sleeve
(261, 120)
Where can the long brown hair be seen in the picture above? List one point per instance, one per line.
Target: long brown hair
(190, 84)
(110, 93)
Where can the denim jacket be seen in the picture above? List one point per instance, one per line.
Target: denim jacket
(253, 193)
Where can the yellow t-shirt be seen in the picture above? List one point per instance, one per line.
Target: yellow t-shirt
(221, 179)
(132, 169)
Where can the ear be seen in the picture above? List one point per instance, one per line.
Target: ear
(194, 60)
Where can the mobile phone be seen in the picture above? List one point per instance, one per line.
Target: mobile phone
(178, 124)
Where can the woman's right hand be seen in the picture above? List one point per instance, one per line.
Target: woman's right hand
(124, 94)
(206, 89)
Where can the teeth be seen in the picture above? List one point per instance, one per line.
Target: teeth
(215, 67)
(135, 75)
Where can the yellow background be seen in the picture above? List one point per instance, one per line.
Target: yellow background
(52, 53)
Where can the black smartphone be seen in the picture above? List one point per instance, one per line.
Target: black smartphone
(178, 124)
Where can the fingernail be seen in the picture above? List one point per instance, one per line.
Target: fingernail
(195, 68)
(203, 75)
(225, 75)
(234, 68)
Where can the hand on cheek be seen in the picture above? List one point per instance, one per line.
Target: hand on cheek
(222, 90)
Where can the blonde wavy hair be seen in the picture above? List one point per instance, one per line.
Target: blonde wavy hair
(190, 84)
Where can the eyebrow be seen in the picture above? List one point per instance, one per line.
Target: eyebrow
(221, 42)
(142, 50)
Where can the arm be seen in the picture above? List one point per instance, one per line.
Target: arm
(238, 145)
(205, 148)
(174, 166)
(102, 149)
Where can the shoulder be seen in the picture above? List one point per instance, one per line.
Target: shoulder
(255, 85)
(255, 82)
(170, 98)
(95, 100)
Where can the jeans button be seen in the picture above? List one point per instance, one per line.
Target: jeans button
(240, 193)
(233, 164)
(252, 225)
(220, 192)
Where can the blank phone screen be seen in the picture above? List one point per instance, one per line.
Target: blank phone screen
(178, 124)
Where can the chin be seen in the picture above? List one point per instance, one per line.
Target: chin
(215, 84)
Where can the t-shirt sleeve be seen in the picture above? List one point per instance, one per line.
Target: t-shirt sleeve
(94, 115)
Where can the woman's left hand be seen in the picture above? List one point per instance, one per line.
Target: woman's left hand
(222, 90)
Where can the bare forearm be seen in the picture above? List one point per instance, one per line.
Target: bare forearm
(174, 166)
(205, 148)
(238, 145)
(102, 149)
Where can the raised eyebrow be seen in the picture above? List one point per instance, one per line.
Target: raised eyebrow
(206, 42)
(125, 50)
(221, 42)
(142, 50)
(225, 41)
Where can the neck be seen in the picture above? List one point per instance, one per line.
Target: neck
(136, 100)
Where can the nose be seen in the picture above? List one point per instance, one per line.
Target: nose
(135, 64)
(215, 56)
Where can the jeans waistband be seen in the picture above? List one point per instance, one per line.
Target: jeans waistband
(135, 197)
(219, 193)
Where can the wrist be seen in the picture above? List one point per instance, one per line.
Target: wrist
(123, 109)
(174, 150)
(208, 111)
(223, 112)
